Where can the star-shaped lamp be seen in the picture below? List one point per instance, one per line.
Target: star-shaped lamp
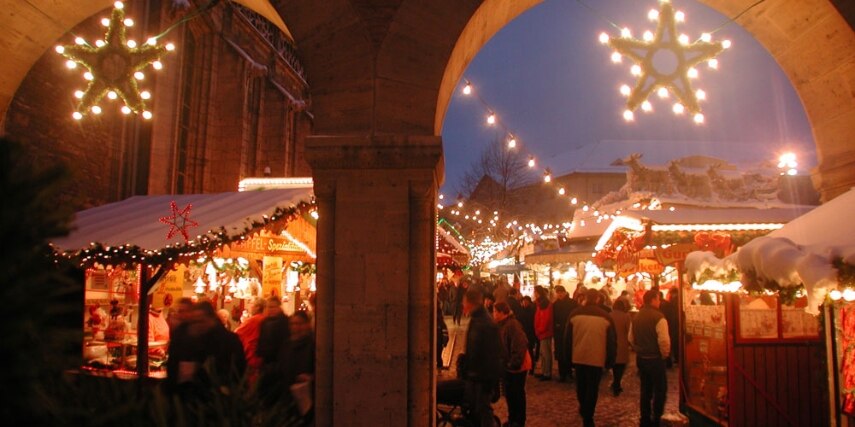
(179, 221)
(114, 65)
(664, 62)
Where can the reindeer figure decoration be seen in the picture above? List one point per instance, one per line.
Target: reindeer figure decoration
(691, 183)
(645, 178)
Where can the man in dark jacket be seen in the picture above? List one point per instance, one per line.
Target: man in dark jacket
(273, 343)
(482, 365)
(206, 355)
(648, 335)
(670, 309)
(591, 343)
(526, 318)
(517, 362)
(561, 309)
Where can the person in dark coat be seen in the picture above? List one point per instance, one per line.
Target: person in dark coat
(648, 335)
(299, 368)
(670, 309)
(273, 343)
(482, 365)
(526, 318)
(459, 292)
(518, 362)
(561, 309)
(204, 355)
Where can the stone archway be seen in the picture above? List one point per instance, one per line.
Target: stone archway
(381, 76)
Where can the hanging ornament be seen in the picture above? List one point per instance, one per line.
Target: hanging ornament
(179, 221)
(113, 66)
(665, 63)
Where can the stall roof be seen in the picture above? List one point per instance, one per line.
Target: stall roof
(136, 220)
(572, 253)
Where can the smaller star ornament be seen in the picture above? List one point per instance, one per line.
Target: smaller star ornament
(665, 63)
(113, 66)
(179, 221)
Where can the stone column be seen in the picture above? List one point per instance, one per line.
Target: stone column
(376, 313)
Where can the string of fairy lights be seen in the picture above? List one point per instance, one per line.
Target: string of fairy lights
(649, 80)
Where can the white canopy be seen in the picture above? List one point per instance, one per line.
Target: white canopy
(136, 220)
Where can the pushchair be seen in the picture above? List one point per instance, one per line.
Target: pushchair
(450, 405)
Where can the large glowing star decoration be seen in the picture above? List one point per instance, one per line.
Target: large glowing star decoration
(114, 65)
(179, 221)
(664, 62)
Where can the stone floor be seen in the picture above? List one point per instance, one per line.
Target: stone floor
(551, 403)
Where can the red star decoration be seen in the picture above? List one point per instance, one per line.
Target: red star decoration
(179, 221)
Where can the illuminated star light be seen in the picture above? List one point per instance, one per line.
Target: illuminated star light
(113, 66)
(666, 40)
(179, 221)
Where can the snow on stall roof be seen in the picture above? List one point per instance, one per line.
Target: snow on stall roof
(799, 253)
(136, 220)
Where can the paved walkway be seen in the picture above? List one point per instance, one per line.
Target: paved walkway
(551, 403)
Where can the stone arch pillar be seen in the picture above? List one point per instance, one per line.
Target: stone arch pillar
(376, 197)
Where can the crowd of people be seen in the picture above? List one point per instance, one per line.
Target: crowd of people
(510, 337)
(269, 356)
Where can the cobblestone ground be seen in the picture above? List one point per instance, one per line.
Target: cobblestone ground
(551, 403)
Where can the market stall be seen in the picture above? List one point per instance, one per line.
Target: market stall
(711, 326)
(143, 254)
(806, 268)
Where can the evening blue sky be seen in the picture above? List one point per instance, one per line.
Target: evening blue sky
(554, 85)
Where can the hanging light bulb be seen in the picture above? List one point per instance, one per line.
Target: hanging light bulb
(604, 38)
(616, 57)
(646, 106)
(574, 201)
(112, 95)
(692, 73)
(561, 191)
(701, 95)
(678, 108)
(653, 15)
(491, 119)
(467, 89)
(512, 143)
(625, 90)
(662, 92)
(547, 176)
(713, 63)
(531, 162)
(628, 115)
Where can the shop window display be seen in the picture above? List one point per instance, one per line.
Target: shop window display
(706, 355)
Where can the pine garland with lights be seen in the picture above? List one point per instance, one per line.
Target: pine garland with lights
(129, 255)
